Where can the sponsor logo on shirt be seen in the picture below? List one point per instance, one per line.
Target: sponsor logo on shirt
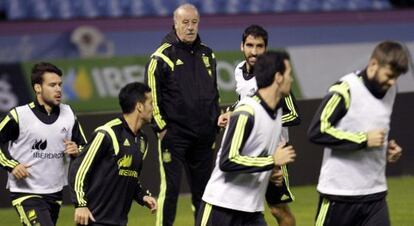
(39, 145)
(38, 148)
(126, 162)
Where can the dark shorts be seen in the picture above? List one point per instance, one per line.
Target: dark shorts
(210, 215)
(277, 195)
(37, 210)
(341, 213)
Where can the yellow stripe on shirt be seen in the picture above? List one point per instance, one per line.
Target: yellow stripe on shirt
(234, 155)
(327, 128)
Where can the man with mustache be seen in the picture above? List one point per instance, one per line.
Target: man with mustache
(41, 137)
(352, 123)
(182, 76)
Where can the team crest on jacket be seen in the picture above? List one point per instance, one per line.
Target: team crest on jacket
(206, 61)
(166, 156)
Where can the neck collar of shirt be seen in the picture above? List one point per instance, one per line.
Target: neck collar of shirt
(173, 39)
(42, 108)
(246, 74)
(126, 126)
(271, 112)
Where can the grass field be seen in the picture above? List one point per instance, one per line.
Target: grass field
(400, 200)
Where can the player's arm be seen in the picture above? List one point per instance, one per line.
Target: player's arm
(158, 68)
(140, 193)
(232, 158)
(141, 196)
(290, 115)
(9, 131)
(82, 165)
(225, 116)
(333, 108)
(77, 142)
(144, 198)
(78, 136)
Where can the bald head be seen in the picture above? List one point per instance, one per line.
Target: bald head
(186, 19)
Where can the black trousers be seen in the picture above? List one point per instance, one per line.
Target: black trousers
(177, 152)
(339, 213)
(36, 210)
(211, 215)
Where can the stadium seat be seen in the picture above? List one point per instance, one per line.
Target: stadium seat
(69, 9)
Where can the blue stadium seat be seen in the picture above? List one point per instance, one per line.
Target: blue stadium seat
(17, 9)
(62, 9)
(309, 5)
(68, 9)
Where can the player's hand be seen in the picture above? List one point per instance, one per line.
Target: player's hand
(375, 138)
(277, 176)
(20, 171)
(150, 203)
(162, 134)
(394, 151)
(71, 148)
(223, 119)
(284, 155)
(82, 216)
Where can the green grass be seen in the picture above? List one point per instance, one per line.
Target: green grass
(400, 200)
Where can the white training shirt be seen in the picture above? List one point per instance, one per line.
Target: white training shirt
(41, 146)
(358, 172)
(246, 191)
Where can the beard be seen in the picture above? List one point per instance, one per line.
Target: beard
(250, 66)
(51, 102)
(378, 88)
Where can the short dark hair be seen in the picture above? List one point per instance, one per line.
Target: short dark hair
(393, 54)
(131, 94)
(255, 31)
(267, 65)
(40, 68)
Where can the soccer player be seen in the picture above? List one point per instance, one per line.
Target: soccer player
(182, 76)
(352, 123)
(250, 150)
(254, 43)
(105, 177)
(42, 136)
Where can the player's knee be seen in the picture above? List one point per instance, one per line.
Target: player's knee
(281, 211)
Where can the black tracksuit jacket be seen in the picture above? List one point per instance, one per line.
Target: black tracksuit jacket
(105, 176)
(183, 80)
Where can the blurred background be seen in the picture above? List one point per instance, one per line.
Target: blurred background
(103, 44)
